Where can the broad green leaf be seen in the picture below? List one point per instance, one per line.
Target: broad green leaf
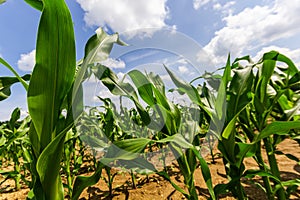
(240, 86)
(54, 72)
(177, 139)
(250, 173)
(220, 104)
(50, 83)
(243, 150)
(2, 1)
(49, 175)
(279, 128)
(188, 89)
(110, 80)
(97, 49)
(265, 75)
(143, 85)
(295, 79)
(205, 173)
(126, 149)
(276, 56)
(157, 82)
(48, 167)
(82, 182)
(231, 125)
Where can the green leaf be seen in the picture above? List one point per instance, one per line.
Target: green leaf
(54, 72)
(48, 167)
(15, 116)
(177, 139)
(49, 86)
(240, 86)
(21, 80)
(2, 1)
(293, 111)
(82, 182)
(167, 177)
(188, 89)
(250, 173)
(6, 83)
(37, 4)
(276, 56)
(205, 172)
(140, 163)
(279, 128)
(220, 104)
(97, 49)
(110, 80)
(143, 85)
(126, 149)
(231, 125)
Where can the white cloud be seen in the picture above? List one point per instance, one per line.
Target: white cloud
(200, 3)
(120, 75)
(123, 16)
(217, 6)
(113, 63)
(226, 9)
(254, 28)
(183, 69)
(27, 61)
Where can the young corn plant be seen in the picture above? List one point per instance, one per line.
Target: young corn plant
(235, 146)
(275, 103)
(151, 90)
(15, 148)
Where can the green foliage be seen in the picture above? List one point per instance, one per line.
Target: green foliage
(245, 108)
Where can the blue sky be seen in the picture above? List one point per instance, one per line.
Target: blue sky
(190, 36)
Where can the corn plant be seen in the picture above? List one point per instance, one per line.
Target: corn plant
(274, 102)
(15, 147)
(54, 97)
(246, 91)
(151, 91)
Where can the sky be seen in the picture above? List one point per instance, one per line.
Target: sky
(188, 36)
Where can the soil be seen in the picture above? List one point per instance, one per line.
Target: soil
(156, 188)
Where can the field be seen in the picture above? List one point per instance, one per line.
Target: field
(236, 136)
(157, 188)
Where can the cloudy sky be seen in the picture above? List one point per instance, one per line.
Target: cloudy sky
(189, 36)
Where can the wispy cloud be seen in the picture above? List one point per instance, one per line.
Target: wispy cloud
(200, 3)
(113, 63)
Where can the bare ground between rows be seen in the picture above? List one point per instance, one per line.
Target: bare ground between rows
(155, 188)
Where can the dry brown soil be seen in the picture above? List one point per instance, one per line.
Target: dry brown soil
(155, 188)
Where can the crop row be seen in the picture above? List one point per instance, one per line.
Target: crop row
(250, 106)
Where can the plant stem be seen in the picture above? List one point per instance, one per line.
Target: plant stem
(262, 166)
(133, 179)
(273, 166)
